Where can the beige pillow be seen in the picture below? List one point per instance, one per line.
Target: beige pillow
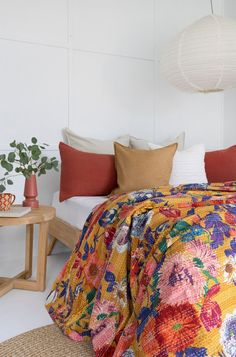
(140, 169)
(142, 144)
(95, 146)
(139, 144)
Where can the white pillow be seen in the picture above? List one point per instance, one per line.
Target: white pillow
(95, 146)
(188, 165)
(142, 144)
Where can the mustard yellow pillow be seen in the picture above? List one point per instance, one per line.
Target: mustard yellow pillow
(140, 169)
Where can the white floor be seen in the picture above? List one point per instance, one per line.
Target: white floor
(21, 311)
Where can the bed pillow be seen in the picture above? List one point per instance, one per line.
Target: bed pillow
(85, 174)
(221, 165)
(141, 169)
(188, 166)
(141, 144)
(93, 145)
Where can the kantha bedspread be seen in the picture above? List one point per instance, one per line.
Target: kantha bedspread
(154, 274)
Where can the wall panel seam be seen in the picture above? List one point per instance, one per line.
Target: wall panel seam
(67, 47)
(221, 138)
(47, 150)
(114, 55)
(69, 57)
(154, 72)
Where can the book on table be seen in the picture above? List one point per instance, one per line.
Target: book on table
(15, 211)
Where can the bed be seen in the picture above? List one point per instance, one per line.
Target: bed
(70, 217)
(152, 272)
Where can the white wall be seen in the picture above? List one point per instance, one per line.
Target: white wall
(94, 66)
(85, 64)
(230, 96)
(199, 115)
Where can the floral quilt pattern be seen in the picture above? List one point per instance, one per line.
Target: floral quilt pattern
(154, 274)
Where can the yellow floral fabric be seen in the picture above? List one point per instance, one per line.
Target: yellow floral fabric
(154, 274)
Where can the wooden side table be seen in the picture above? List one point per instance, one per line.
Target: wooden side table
(41, 216)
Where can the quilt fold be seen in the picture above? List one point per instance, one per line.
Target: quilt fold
(154, 274)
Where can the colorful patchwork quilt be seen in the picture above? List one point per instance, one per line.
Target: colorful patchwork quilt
(154, 274)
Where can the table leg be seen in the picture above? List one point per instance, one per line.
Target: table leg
(42, 255)
(7, 284)
(29, 249)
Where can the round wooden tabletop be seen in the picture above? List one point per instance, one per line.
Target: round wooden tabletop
(37, 215)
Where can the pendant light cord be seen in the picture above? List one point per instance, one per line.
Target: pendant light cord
(212, 8)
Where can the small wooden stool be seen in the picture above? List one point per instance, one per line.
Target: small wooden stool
(41, 216)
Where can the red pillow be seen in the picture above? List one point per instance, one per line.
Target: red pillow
(85, 174)
(221, 165)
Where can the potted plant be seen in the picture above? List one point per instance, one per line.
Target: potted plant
(29, 161)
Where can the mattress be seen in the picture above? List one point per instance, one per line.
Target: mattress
(75, 210)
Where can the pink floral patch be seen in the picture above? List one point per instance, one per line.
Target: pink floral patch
(150, 267)
(103, 333)
(206, 255)
(102, 323)
(180, 280)
(211, 315)
(103, 307)
(94, 270)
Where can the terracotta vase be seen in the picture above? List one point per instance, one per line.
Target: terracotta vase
(31, 192)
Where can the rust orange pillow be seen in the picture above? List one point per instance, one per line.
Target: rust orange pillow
(221, 165)
(85, 174)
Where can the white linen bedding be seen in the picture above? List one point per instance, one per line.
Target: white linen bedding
(75, 210)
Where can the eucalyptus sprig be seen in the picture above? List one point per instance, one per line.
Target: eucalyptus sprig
(25, 160)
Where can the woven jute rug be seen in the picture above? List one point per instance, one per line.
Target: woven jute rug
(47, 341)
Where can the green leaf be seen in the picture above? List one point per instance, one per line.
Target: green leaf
(90, 309)
(206, 289)
(55, 164)
(44, 159)
(26, 173)
(13, 144)
(42, 172)
(2, 188)
(20, 146)
(209, 276)
(30, 172)
(101, 316)
(198, 262)
(34, 140)
(181, 225)
(6, 165)
(24, 159)
(114, 313)
(178, 227)
(36, 152)
(11, 157)
(48, 166)
(9, 182)
(2, 157)
(91, 295)
(163, 246)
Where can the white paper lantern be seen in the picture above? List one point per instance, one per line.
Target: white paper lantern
(203, 57)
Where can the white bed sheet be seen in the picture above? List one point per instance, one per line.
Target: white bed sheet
(75, 210)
